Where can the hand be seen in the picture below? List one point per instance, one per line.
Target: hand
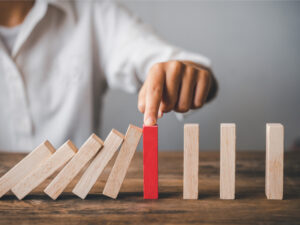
(174, 85)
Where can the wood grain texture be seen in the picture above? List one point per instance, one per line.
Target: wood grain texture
(150, 161)
(191, 161)
(274, 160)
(25, 166)
(87, 151)
(250, 206)
(119, 170)
(92, 173)
(227, 160)
(44, 170)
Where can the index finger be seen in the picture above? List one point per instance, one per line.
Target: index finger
(155, 85)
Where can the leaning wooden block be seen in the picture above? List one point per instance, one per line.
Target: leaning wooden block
(25, 166)
(90, 176)
(150, 160)
(119, 170)
(227, 161)
(45, 170)
(191, 161)
(274, 160)
(87, 151)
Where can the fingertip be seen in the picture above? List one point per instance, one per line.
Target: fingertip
(149, 121)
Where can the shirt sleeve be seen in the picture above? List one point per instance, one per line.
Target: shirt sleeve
(129, 48)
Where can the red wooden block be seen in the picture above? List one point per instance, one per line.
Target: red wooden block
(150, 152)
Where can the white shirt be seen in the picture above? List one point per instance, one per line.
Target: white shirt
(64, 55)
(9, 36)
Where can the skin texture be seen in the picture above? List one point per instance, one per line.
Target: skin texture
(175, 85)
(13, 13)
(172, 85)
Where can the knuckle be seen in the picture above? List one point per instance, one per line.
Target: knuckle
(183, 108)
(190, 71)
(164, 106)
(167, 108)
(175, 66)
(205, 76)
(198, 104)
(155, 89)
(157, 67)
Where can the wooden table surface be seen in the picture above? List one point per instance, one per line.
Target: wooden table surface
(250, 206)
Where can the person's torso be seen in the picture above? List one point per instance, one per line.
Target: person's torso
(50, 86)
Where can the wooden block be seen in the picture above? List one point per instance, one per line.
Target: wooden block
(92, 173)
(25, 166)
(45, 170)
(119, 170)
(150, 158)
(87, 151)
(191, 161)
(274, 160)
(227, 160)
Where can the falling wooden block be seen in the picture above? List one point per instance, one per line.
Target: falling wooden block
(119, 170)
(274, 160)
(227, 161)
(191, 161)
(45, 170)
(87, 151)
(150, 158)
(90, 176)
(25, 166)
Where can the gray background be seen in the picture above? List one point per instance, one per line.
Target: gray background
(255, 50)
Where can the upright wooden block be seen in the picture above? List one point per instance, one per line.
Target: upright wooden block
(119, 170)
(45, 170)
(87, 151)
(150, 157)
(274, 160)
(191, 161)
(90, 176)
(227, 160)
(25, 166)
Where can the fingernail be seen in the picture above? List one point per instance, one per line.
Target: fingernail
(149, 121)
